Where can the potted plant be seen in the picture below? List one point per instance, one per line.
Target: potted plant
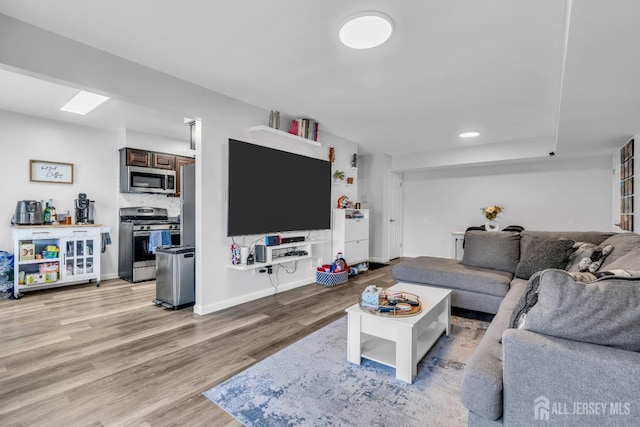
(491, 213)
(338, 176)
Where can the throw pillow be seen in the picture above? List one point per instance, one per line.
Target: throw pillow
(580, 250)
(494, 250)
(587, 257)
(604, 312)
(622, 243)
(597, 258)
(541, 254)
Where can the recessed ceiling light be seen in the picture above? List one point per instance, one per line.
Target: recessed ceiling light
(83, 102)
(366, 30)
(469, 134)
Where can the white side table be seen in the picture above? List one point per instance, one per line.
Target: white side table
(457, 237)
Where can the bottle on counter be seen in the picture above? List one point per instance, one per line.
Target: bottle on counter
(52, 212)
(46, 214)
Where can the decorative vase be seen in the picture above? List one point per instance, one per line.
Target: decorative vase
(274, 119)
(492, 225)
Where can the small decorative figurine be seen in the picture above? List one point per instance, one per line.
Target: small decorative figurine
(332, 154)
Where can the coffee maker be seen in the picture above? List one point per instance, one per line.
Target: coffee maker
(84, 209)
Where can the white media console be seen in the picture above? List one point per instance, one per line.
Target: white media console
(273, 254)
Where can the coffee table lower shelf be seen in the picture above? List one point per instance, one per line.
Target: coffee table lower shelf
(384, 351)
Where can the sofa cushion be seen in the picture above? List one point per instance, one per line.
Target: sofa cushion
(518, 281)
(622, 243)
(628, 261)
(481, 389)
(541, 254)
(604, 312)
(449, 273)
(497, 251)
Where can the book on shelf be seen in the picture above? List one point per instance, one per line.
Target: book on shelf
(305, 128)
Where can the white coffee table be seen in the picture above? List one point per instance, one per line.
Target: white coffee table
(399, 342)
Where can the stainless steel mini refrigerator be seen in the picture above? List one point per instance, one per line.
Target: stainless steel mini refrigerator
(175, 276)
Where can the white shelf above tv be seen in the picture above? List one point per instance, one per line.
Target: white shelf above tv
(272, 134)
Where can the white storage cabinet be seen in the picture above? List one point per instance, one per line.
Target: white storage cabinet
(78, 259)
(351, 235)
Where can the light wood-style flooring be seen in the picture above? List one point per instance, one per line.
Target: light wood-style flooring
(107, 356)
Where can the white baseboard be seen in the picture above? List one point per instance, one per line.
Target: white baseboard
(109, 276)
(221, 305)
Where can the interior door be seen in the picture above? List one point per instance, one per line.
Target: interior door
(395, 215)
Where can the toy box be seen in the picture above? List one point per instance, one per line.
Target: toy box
(331, 279)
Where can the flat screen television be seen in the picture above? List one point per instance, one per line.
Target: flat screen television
(271, 191)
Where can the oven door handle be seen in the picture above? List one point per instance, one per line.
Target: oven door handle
(141, 233)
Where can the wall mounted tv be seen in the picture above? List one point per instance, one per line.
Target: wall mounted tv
(272, 191)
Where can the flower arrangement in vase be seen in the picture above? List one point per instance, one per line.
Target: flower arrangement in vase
(491, 213)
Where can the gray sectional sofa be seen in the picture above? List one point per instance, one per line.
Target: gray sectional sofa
(563, 346)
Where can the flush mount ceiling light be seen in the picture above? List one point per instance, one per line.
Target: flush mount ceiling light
(83, 102)
(469, 134)
(366, 30)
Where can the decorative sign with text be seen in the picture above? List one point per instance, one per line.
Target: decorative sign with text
(43, 171)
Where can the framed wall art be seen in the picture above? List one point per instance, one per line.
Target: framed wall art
(44, 171)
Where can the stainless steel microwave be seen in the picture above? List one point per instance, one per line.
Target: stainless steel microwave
(136, 179)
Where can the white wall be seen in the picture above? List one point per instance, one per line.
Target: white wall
(236, 287)
(94, 156)
(546, 195)
(222, 118)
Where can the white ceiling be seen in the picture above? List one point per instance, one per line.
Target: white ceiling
(496, 66)
(36, 97)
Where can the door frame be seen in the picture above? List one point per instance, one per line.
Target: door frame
(391, 253)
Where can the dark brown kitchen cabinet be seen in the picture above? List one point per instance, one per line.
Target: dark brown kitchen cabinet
(180, 161)
(137, 157)
(153, 159)
(162, 161)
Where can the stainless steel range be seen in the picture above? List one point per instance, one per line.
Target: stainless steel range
(142, 230)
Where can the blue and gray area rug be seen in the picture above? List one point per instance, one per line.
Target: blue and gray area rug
(310, 383)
